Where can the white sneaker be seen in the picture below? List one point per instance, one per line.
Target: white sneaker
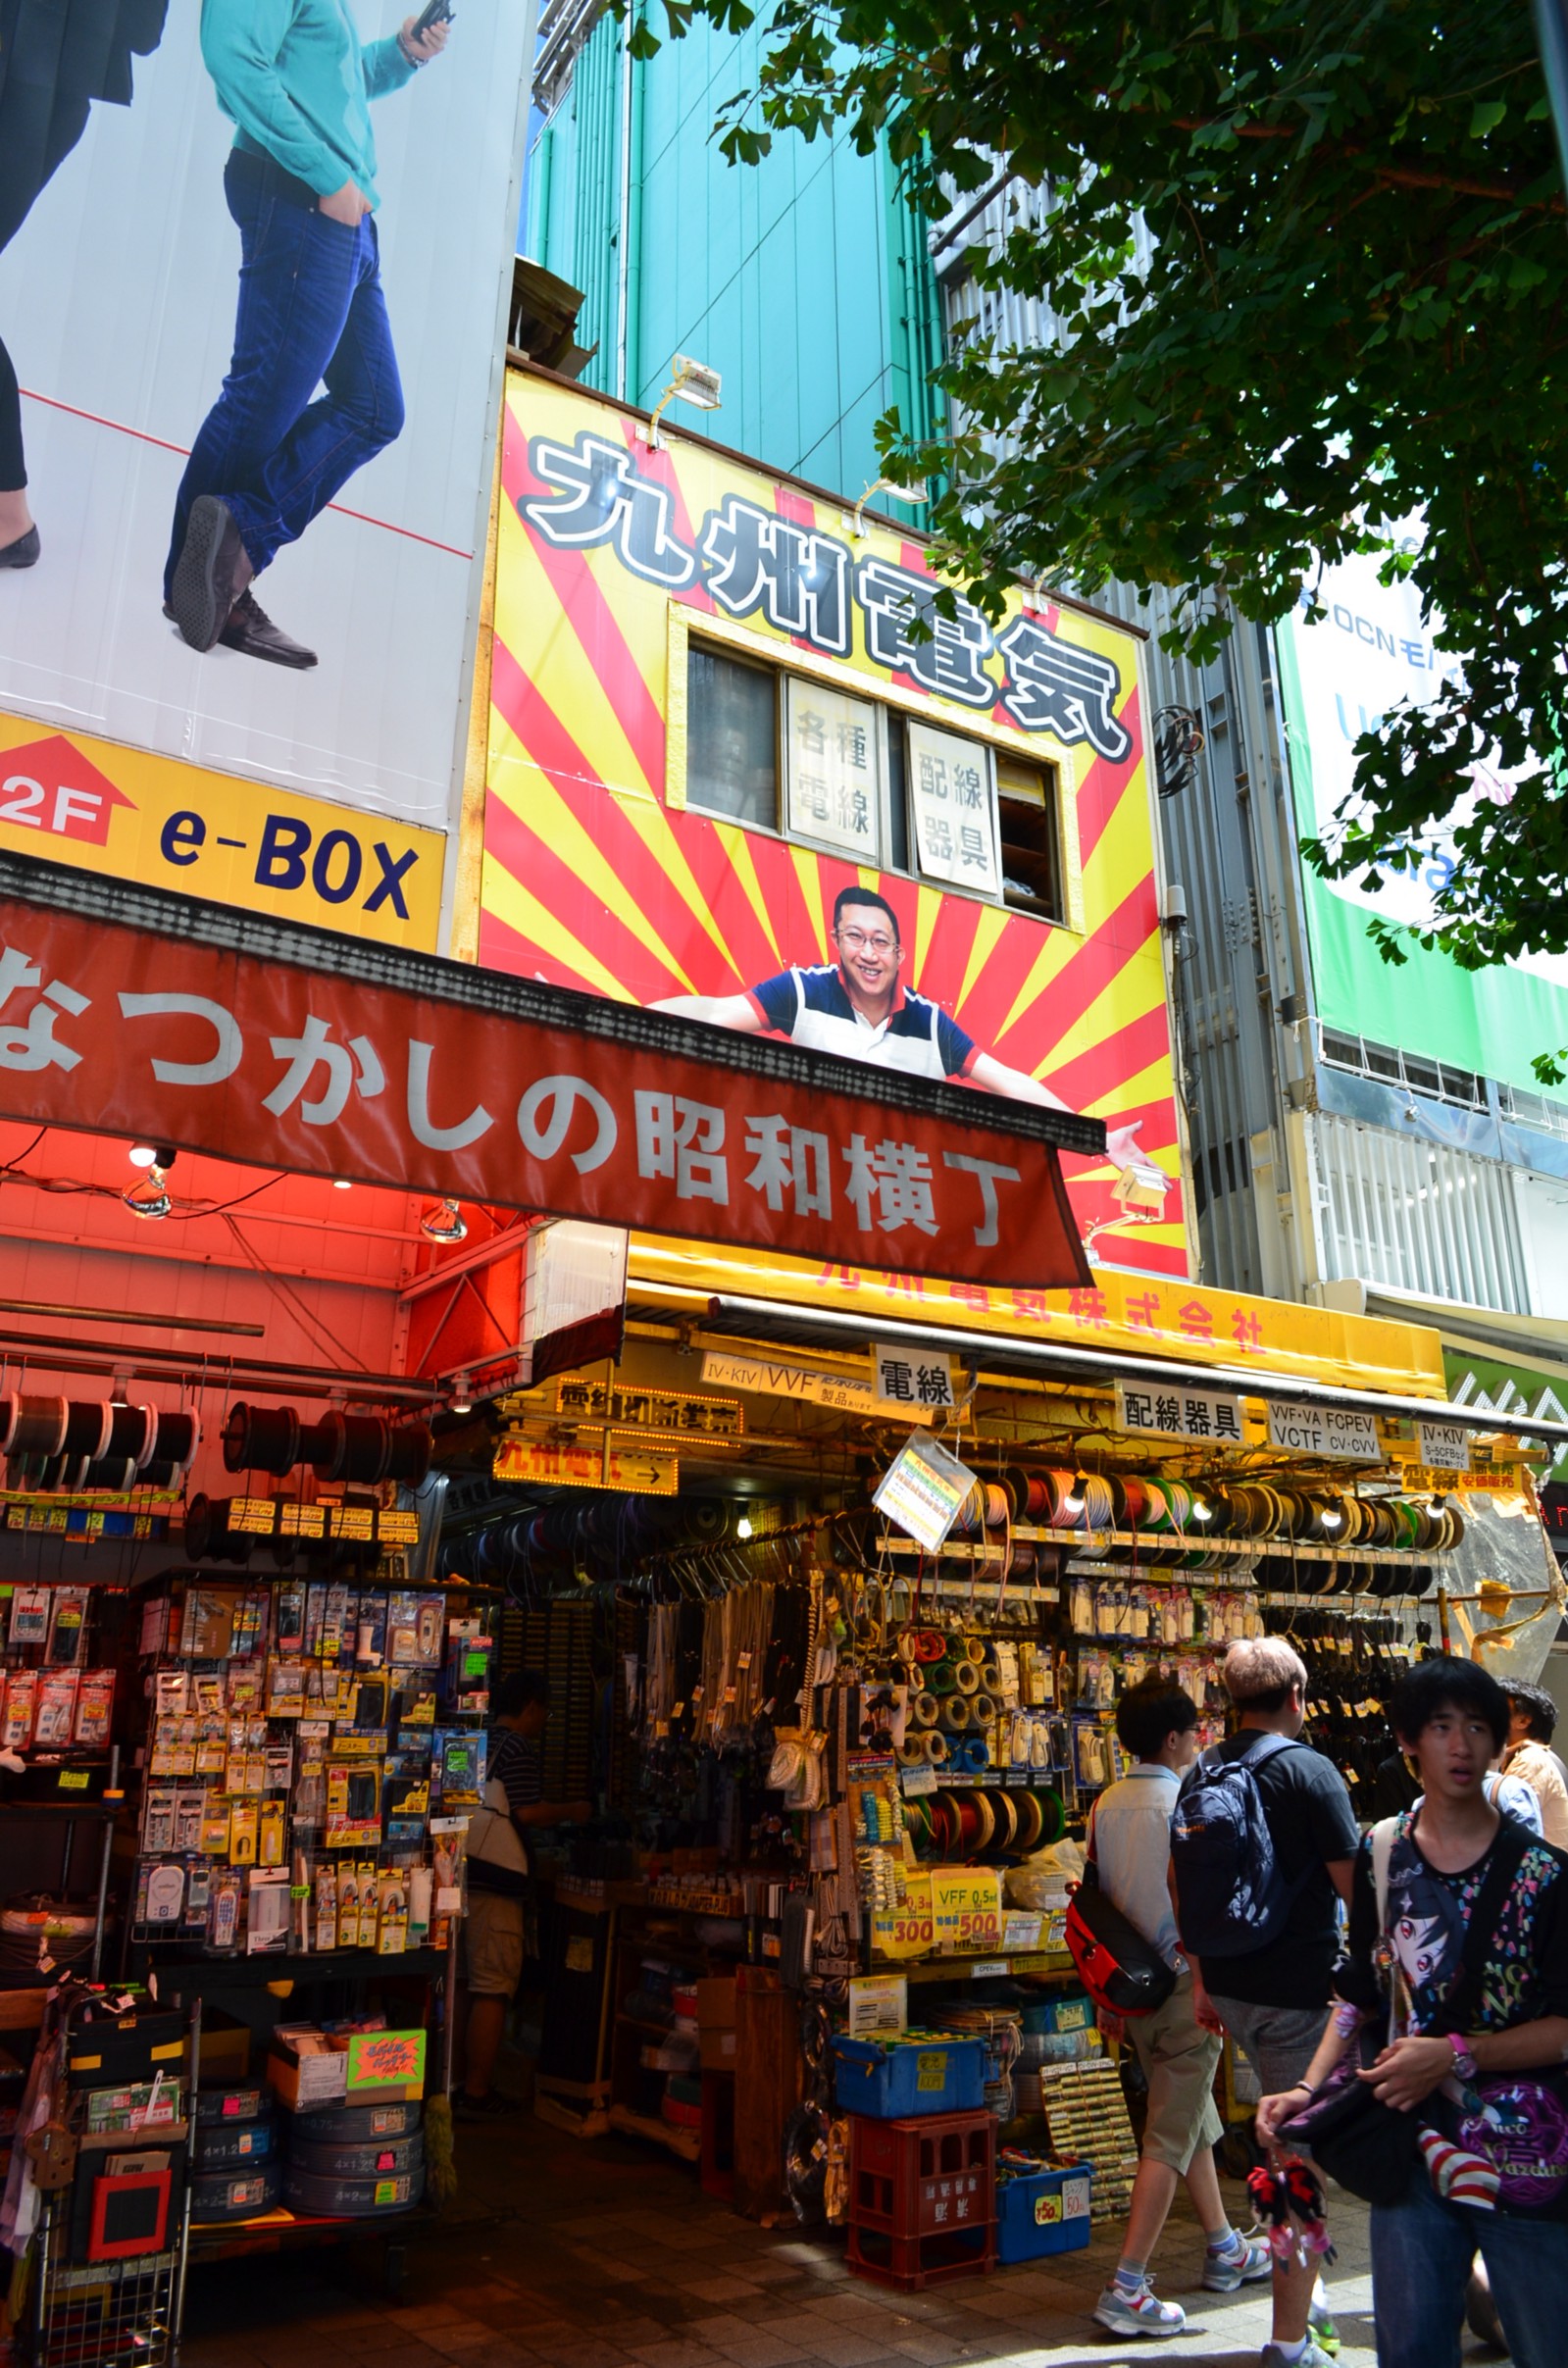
(1314, 2356)
(1253, 2261)
(1140, 2314)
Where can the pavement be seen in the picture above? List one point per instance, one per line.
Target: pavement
(606, 2254)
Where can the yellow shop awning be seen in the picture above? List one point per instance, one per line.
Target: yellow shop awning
(1148, 1325)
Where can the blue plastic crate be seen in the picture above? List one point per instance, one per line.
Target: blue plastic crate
(1047, 2213)
(893, 2079)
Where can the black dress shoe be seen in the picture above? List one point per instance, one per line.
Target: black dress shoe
(253, 633)
(211, 573)
(24, 552)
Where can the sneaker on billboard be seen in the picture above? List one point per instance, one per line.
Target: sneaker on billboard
(1138, 2314)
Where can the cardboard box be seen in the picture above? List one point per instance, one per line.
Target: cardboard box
(305, 2069)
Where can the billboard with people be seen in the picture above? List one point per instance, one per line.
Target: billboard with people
(253, 260)
(746, 767)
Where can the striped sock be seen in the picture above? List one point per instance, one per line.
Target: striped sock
(1457, 2173)
(1130, 2279)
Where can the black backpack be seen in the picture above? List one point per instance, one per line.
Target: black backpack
(1232, 1896)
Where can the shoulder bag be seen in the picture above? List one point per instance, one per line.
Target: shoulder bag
(1366, 2147)
(1116, 1965)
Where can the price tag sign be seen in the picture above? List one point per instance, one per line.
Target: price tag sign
(923, 1490)
(918, 1781)
(1445, 1445)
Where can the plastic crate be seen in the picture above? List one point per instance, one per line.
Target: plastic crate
(1048, 2212)
(895, 2080)
(921, 2198)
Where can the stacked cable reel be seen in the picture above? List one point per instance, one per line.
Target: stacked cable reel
(1191, 1525)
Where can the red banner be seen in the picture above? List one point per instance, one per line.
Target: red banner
(130, 1031)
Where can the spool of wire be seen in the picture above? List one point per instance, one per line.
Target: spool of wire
(955, 1714)
(966, 1677)
(911, 1751)
(923, 1709)
(935, 1746)
(1098, 1504)
(939, 1677)
(982, 1709)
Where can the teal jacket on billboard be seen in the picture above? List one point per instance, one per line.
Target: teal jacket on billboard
(293, 77)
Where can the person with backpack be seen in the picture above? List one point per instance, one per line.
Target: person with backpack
(1458, 1953)
(1130, 1843)
(1263, 1846)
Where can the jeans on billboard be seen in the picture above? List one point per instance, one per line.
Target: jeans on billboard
(1421, 2251)
(311, 314)
(39, 126)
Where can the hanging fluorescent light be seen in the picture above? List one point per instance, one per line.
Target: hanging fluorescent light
(442, 1221)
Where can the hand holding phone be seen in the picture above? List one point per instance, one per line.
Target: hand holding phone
(423, 37)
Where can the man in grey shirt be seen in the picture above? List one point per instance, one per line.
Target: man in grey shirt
(1130, 1843)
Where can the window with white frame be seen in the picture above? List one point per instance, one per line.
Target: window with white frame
(860, 778)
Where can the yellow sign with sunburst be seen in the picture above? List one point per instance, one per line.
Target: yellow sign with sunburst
(618, 559)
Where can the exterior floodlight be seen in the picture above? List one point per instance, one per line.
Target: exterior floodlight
(690, 382)
(143, 1155)
(442, 1221)
(148, 1196)
(462, 1400)
(913, 494)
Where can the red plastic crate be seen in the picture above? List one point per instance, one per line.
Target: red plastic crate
(921, 2198)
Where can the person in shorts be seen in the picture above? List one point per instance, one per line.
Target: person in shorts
(1130, 1842)
(1273, 2002)
(500, 1888)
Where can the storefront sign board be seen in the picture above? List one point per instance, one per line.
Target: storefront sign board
(1169, 1410)
(622, 573)
(103, 808)
(161, 1039)
(1444, 1446)
(639, 1472)
(1327, 1431)
(908, 1378)
(808, 1385)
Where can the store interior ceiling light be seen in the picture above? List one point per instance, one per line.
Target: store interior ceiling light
(462, 1400)
(915, 495)
(342, 1183)
(442, 1221)
(691, 382)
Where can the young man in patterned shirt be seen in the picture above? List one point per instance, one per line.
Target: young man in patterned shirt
(1492, 2167)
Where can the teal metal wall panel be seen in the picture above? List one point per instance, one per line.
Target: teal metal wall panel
(804, 280)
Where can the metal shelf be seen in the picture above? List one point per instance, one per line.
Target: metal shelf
(177, 1975)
